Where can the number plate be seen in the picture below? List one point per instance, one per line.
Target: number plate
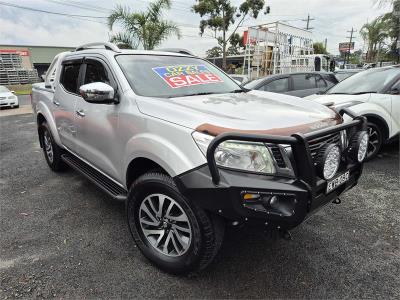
(338, 181)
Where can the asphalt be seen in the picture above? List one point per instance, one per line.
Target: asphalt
(60, 237)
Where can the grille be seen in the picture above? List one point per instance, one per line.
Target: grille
(318, 143)
(276, 152)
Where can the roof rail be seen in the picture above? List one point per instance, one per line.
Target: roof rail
(106, 45)
(177, 50)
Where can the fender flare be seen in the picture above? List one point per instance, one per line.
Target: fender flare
(42, 109)
(159, 150)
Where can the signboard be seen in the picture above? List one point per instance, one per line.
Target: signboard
(20, 52)
(186, 75)
(346, 46)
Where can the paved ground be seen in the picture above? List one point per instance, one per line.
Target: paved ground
(61, 237)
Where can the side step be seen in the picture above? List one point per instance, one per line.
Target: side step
(103, 182)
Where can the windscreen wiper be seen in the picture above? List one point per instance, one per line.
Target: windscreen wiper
(194, 94)
(360, 93)
(242, 90)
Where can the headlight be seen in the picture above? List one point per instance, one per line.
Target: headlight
(247, 156)
(359, 146)
(329, 161)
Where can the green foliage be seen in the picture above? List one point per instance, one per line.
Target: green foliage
(142, 28)
(219, 15)
(214, 52)
(319, 48)
(375, 33)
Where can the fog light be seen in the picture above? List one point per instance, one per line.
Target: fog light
(329, 161)
(359, 146)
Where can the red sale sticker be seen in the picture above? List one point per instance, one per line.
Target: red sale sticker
(186, 75)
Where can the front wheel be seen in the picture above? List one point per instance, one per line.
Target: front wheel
(375, 140)
(172, 232)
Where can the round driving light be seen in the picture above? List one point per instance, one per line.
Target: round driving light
(359, 146)
(329, 161)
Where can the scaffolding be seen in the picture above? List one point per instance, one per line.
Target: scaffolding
(277, 48)
(12, 72)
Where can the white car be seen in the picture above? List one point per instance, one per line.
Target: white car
(374, 93)
(7, 98)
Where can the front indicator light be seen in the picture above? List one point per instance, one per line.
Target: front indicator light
(328, 161)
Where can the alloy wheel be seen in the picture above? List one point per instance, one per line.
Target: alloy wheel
(48, 146)
(165, 225)
(374, 141)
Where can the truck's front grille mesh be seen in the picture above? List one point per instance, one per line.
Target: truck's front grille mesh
(276, 152)
(318, 143)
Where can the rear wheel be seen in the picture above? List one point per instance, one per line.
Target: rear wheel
(171, 231)
(375, 140)
(52, 152)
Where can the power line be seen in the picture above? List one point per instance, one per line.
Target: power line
(48, 12)
(78, 5)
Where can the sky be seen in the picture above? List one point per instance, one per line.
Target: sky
(332, 20)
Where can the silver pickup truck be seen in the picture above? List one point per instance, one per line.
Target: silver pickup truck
(189, 150)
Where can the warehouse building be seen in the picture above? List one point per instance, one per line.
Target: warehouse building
(33, 57)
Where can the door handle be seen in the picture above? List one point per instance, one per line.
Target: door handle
(80, 113)
(56, 102)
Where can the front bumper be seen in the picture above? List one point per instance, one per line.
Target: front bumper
(222, 191)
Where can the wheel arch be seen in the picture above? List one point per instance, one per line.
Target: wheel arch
(43, 114)
(139, 166)
(379, 121)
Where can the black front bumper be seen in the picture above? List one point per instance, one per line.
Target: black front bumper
(222, 191)
(226, 198)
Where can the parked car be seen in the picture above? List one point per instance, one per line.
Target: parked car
(295, 84)
(8, 98)
(241, 79)
(373, 93)
(342, 74)
(189, 150)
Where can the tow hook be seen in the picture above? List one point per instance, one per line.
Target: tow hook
(337, 201)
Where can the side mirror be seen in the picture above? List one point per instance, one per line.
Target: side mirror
(395, 91)
(97, 92)
(13, 92)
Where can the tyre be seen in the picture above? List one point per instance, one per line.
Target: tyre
(16, 106)
(375, 140)
(52, 152)
(171, 231)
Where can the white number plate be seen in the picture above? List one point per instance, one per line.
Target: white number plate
(338, 181)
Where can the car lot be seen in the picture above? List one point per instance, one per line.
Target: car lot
(61, 237)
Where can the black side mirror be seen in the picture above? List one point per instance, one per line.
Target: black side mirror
(395, 91)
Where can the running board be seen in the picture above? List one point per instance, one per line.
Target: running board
(102, 181)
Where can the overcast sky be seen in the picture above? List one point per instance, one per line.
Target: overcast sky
(19, 26)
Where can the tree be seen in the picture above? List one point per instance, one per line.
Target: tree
(214, 52)
(374, 34)
(221, 14)
(142, 28)
(319, 48)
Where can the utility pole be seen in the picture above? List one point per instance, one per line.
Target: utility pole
(351, 37)
(326, 44)
(308, 22)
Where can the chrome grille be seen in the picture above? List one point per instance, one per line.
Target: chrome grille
(318, 143)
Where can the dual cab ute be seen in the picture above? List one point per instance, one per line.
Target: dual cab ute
(189, 150)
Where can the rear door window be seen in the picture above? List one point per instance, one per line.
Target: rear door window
(303, 81)
(70, 77)
(277, 86)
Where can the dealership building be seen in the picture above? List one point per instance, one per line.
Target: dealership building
(28, 57)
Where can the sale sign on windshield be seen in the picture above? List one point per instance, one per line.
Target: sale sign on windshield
(186, 75)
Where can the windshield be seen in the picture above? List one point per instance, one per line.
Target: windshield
(370, 81)
(174, 76)
(254, 83)
(3, 89)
